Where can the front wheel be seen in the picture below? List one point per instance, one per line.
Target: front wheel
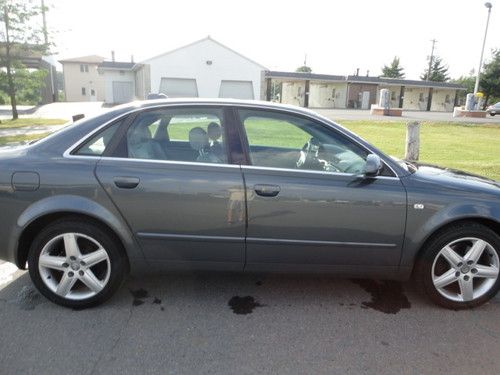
(75, 263)
(460, 266)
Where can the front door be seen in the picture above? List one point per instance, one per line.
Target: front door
(169, 176)
(309, 206)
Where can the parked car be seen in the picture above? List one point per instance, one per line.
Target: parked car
(239, 186)
(493, 109)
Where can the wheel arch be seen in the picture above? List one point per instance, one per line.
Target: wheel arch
(46, 211)
(487, 222)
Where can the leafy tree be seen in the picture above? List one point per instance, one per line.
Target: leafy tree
(19, 36)
(490, 78)
(394, 70)
(439, 71)
(303, 69)
(28, 83)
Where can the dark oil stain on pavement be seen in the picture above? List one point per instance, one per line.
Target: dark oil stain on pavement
(139, 296)
(243, 305)
(387, 296)
(28, 298)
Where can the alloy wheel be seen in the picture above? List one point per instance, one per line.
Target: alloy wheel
(465, 269)
(74, 266)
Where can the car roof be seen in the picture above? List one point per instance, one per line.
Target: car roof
(215, 101)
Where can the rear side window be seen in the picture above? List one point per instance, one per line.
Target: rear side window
(176, 134)
(96, 145)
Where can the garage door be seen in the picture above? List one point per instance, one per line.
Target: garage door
(236, 89)
(179, 87)
(123, 92)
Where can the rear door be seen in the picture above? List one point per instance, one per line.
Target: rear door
(309, 208)
(186, 211)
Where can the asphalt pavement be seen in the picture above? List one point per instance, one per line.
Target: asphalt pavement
(220, 323)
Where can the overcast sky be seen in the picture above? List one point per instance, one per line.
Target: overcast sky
(338, 36)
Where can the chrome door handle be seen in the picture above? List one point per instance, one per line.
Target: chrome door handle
(265, 190)
(126, 182)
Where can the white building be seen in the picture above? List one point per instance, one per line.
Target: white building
(207, 69)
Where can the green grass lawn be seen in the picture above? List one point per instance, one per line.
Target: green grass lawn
(469, 147)
(24, 122)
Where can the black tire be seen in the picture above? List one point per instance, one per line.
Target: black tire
(492, 114)
(423, 267)
(117, 260)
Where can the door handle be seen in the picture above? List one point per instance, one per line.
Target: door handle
(126, 182)
(265, 190)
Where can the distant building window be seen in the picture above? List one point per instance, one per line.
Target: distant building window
(84, 68)
(421, 97)
(447, 99)
(122, 73)
(393, 95)
(84, 92)
(92, 92)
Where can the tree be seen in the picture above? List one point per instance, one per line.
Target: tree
(20, 35)
(439, 71)
(303, 69)
(393, 70)
(467, 81)
(490, 78)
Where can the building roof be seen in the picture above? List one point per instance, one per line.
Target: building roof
(201, 41)
(91, 59)
(306, 76)
(404, 82)
(116, 65)
(361, 79)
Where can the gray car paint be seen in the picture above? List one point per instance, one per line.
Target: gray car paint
(68, 184)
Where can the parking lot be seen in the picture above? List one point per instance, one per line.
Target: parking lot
(232, 323)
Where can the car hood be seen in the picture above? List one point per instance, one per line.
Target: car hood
(455, 179)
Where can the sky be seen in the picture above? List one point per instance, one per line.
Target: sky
(337, 36)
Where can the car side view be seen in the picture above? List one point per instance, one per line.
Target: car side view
(192, 184)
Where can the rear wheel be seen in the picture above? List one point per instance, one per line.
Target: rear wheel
(76, 264)
(460, 266)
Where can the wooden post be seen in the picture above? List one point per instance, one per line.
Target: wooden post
(412, 149)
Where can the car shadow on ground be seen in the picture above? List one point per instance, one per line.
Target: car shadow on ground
(242, 293)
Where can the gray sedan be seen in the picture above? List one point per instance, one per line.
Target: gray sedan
(239, 186)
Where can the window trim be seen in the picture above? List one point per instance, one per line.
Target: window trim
(246, 146)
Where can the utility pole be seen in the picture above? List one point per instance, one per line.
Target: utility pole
(476, 86)
(430, 59)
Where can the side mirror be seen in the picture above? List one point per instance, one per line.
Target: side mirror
(373, 165)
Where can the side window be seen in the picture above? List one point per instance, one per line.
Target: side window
(285, 141)
(96, 145)
(178, 134)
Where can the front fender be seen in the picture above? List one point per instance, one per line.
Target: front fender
(421, 224)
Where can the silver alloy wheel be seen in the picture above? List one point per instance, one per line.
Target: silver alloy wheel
(469, 268)
(74, 266)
